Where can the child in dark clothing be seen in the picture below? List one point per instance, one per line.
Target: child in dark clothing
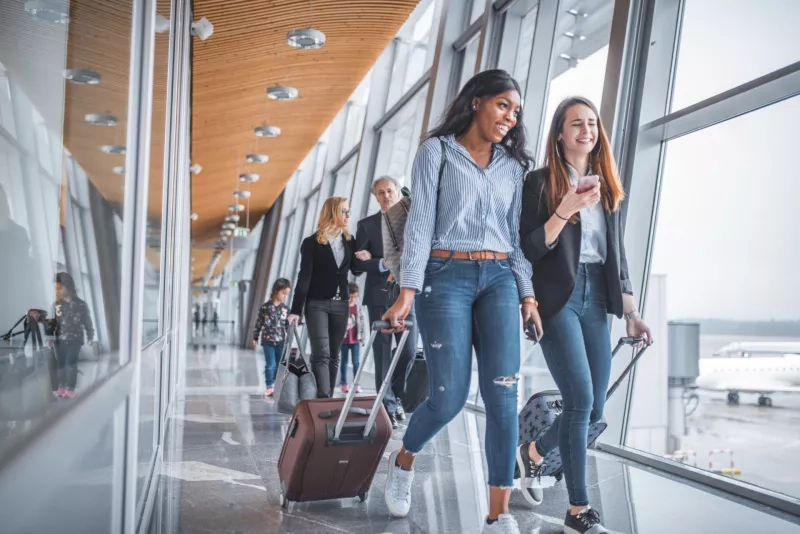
(70, 320)
(353, 338)
(272, 326)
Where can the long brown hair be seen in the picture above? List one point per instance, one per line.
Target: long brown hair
(328, 217)
(601, 160)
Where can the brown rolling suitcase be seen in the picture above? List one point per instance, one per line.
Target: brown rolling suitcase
(329, 456)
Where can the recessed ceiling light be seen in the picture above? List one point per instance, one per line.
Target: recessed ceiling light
(282, 92)
(119, 170)
(306, 38)
(196, 169)
(82, 76)
(241, 194)
(100, 119)
(249, 178)
(113, 149)
(226, 233)
(48, 11)
(229, 226)
(257, 158)
(194, 217)
(236, 207)
(232, 218)
(268, 131)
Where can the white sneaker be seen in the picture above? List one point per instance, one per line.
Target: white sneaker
(505, 524)
(398, 488)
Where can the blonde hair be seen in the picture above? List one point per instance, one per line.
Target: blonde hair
(328, 217)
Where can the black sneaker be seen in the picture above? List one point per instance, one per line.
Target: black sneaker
(586, 522)
(530, 476)
(400, 413)
(393, 420)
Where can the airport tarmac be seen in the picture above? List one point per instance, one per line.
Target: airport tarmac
(765, 441)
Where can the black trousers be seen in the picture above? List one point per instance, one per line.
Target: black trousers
(382, 349)
(326, 321)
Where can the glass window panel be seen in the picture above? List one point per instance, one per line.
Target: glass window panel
(735, 278)
(47, 115)
(6, 111)
(579, 59)
(413, 52)
(478, 7)
(467, 59)
(398, 145)
(744, 42)
(343, 185)
(522, 62)
(355, 111)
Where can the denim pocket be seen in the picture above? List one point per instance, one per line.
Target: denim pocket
(437, 265)
(503, 264)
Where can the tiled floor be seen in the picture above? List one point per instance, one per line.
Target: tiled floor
(222, 476)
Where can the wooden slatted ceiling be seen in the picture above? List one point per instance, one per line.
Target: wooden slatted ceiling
(246, 54)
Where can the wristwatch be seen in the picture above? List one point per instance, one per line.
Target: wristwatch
(530, 300)
(632, 315)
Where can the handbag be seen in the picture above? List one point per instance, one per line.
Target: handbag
(294, 381)
(26, 384)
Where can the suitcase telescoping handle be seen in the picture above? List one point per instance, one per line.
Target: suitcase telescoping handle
(629, 340)
(348, 402)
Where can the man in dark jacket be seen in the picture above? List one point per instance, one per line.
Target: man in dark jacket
(379, 294)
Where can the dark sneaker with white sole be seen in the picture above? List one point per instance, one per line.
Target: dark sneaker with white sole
(586, 522)
(530, 477)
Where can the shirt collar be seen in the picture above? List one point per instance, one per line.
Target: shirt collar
(497, 149)
(573, 173)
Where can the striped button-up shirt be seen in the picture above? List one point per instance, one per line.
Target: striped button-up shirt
(477, 209)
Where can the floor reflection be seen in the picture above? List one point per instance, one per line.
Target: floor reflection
(221, 475)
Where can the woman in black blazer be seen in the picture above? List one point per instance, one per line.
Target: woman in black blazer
(574, 242)
(325, 259)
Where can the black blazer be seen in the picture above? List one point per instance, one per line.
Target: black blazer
(555, 270)
(369, 236)
(319, 276)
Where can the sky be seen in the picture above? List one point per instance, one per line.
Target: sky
(728, 231)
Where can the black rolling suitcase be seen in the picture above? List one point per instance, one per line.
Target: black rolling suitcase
(417, 384)
(544, 408)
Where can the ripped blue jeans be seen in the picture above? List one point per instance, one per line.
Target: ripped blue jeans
(466, 304)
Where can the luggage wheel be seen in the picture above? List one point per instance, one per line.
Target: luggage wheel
(282, 497)
(363, 496)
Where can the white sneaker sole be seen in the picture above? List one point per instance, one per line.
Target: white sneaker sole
(394, 512)
(523, 483)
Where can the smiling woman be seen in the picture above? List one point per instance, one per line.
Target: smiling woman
(464, 227)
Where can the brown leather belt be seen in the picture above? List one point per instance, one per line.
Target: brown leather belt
(480, 255)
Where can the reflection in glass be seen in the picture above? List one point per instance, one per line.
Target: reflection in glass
(522, 62)
(743, 44)
(59, 197)
(467, 59)
(727, 288)
(355, 112)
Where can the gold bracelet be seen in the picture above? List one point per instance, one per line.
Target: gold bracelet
(530, 300)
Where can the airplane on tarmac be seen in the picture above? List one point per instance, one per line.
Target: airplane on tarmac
(758, 367)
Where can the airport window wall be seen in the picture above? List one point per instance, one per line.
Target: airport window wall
(93, 188)
(671, 88)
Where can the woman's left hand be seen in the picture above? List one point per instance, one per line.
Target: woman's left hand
(363, 255)
(638, 328)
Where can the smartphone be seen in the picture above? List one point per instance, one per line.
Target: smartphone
(585, 183)
(531, 333)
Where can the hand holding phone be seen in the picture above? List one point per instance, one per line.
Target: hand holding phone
(586, 183)
(531, 333)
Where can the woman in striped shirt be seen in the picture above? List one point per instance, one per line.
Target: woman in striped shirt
(462, 257)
